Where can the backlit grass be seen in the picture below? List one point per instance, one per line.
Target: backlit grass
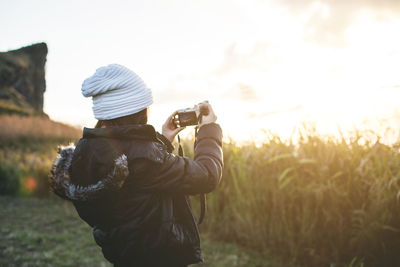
(319, 201)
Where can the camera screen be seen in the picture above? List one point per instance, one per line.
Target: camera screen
(187, 118)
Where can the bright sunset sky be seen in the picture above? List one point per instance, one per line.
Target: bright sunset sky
(262, 64)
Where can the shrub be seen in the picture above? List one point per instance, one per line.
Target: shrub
(10, 177)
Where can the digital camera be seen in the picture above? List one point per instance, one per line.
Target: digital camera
(187, 116)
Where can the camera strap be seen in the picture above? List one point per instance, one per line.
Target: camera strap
(202, 196)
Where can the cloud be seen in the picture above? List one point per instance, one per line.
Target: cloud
(275, 112)
(176, 92)
(326, 21)
(232, 79)
(241, 91)
(259, 58)
(189, 88)
(247, 92)
(246, 74)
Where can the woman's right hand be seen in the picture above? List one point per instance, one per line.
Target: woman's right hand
(205, 119)
(169, 130)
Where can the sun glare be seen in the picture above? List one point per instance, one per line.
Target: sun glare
(337, 89)
(263, 65)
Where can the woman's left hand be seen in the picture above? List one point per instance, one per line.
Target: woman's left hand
(169, 130)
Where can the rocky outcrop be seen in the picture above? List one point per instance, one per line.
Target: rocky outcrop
(22, 80)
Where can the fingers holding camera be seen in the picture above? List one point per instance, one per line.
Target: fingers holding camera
(169, 130)
(206, 111)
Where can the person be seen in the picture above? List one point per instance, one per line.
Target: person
(125, 182)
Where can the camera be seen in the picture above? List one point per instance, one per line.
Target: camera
(187, 116)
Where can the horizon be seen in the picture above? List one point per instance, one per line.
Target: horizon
(263, 65)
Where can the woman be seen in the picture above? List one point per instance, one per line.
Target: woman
(126, 184)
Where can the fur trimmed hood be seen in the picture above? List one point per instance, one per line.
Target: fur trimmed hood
(61, 185)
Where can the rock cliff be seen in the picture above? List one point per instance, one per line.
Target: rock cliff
(22, 80)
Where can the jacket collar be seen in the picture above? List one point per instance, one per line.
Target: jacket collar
(62, 186)
(137, 131)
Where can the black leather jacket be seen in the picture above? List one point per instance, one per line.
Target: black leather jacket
(148, 221)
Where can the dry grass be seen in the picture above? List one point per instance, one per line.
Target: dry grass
(318, 202)
(13, 127)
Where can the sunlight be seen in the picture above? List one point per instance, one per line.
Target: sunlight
(306, 94)
(335, 88)
(263, 65)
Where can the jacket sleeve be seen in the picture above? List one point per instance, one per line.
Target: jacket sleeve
(182, 175)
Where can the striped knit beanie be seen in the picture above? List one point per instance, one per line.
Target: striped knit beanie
(116, 91)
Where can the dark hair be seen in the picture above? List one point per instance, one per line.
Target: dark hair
(136, 118)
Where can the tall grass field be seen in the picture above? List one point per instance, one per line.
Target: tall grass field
(319, 201)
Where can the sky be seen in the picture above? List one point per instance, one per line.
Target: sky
(265, 66)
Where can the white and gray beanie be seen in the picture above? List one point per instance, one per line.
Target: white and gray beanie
(116, 91)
